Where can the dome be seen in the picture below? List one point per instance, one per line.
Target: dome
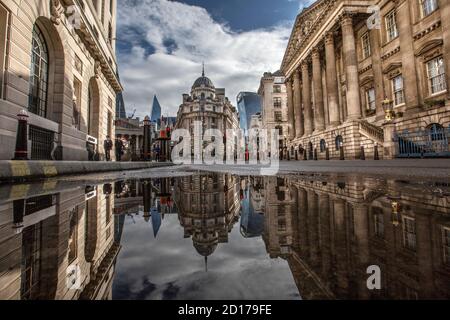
(203, 82)
(204, 249)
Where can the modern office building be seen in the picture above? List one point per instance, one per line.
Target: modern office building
(249, 104)
(155, 114)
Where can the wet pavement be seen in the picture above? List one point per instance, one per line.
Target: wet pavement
(167, 234)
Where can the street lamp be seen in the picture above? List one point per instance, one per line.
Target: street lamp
(395, 205)
(147, 143)
(388, 108)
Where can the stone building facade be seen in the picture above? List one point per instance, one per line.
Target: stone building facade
(210, 106)
(58, 242)
(274, 107)
(58, 63)
(370, 73)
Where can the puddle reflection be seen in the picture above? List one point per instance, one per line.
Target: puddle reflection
(220, 236)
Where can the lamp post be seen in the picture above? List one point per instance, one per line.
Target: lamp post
(147, 139)
(388, 108)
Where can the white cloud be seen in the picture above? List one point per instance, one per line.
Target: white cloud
(183, 36)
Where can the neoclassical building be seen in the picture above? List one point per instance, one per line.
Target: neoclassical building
(372, 74)
(274, 111)
(58, 64)
(209, 105)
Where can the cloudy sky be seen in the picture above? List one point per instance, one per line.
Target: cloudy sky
(161, 45)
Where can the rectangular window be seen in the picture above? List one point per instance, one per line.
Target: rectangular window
(378, 220)
(428, 7)
(103, 11)
(446, 244)
(398, 90)
(78, 65)
(436, 75)
(409, 233)
(278, 116)
(370, 99)
(111, 6)
(109, 124)
(391, 25)
(277, 102)
(4, 17)
(277, 89)
(76, 103)
(366, 49)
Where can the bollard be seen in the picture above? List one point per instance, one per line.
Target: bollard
(327, 154)
(363, 153)
(376, 156)
(21, 152)
(315, 154)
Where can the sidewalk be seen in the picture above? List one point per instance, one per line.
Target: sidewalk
(20, 171)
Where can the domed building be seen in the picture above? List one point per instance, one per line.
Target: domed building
(207, 104)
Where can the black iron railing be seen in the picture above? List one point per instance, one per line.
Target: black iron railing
(41, 143)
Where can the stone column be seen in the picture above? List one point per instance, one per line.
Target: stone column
(375, 45)
(290, 103)
(351, 67)
(361, 225)
(407, 52)
(298, 112)
(307, 98)
(302, 222)
(325, 233)
(313, 227)
(319, 116)
(332, 81)
(444, 6)
(340, 247)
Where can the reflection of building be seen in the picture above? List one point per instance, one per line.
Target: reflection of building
(62, 73)
(249, 104)
(208, 207)
(61, 246)
(339, 229)
(274, 114)
(252, 208)
(278, 228)
(354, 85)
(208, 105)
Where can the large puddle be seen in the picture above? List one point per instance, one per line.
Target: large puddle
(221, 236)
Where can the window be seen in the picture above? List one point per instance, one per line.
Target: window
(278, 116)
(378, 222)
(366, 49)
(103, 11)
(409, 233)
(436, 132)
(73, 235)
(428, 7)
(339, 141)
(323, 145)
(436, 75)
(397, 88)
(280, 130)
(277, 102)
(110, 39)
(78, 65)
(446, 244)
(4, 15)
(109, 124)
(370, 99)
(111, 6)
(391, 25)
(76, 103)
(277, 89)
(37, 100)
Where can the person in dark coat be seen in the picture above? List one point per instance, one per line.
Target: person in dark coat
(119, 149)
(108, 145)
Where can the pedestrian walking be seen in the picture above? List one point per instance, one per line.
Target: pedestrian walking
(108, 145)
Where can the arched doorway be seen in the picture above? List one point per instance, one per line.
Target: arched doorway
(339, 141)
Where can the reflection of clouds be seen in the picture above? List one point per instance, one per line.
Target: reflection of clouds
(169, 268)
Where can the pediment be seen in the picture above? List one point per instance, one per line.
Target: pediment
(392, 67)
(429, 45)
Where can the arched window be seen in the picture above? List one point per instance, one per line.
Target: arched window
(339, 142)
(37, 100)
(436, 132)
(280, 130)
(323, 145)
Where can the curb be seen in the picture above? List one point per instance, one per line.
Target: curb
(20, 171)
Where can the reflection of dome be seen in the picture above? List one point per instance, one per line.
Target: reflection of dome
(204, 249)
(203, 82)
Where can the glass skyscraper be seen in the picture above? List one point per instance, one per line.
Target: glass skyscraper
(249, 104)
(156, 110)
